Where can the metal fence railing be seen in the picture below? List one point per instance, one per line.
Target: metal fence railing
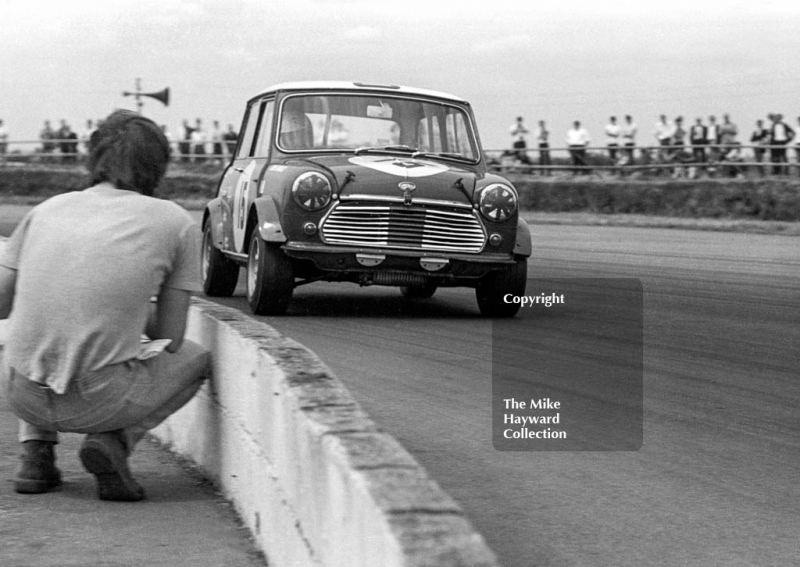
(74, 150)
(713, 159)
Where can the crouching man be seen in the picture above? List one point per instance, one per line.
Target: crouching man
(76, 281)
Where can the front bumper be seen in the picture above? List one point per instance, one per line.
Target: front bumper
(430, 264)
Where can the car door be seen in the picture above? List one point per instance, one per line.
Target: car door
(239, 183)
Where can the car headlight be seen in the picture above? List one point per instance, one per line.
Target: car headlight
(311, 190)
(497, 202)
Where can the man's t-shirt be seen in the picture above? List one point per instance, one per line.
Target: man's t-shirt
(781, 133)
(87, 264)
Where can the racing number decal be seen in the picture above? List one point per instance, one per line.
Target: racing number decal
(240, 206)
(401, 167)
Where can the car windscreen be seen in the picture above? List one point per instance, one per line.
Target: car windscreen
(319, 122)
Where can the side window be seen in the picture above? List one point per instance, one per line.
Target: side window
(265, 130)
(246, 141)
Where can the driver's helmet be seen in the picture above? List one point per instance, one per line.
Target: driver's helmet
(296, 132)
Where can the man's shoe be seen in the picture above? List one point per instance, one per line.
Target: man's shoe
(106, 457)
(38, 472)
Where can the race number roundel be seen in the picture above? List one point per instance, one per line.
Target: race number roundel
(401, 167)
(240, 205)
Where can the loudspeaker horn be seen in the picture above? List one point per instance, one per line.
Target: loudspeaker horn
(162, 96)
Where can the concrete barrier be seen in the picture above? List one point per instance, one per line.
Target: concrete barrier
(308, 471)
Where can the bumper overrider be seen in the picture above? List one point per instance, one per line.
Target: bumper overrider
(440, 265)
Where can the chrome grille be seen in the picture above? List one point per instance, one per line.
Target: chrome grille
(395, 225)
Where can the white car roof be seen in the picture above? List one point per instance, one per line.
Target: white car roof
(355, 86)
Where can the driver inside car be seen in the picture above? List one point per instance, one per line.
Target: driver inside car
(296, 131)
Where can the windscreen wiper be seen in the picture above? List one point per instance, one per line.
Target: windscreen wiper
(384, 150)
(443, 155)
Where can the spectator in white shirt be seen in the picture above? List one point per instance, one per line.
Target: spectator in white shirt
(628, 132)
(216, 141)
(198, 139)
(797, 144)
(577, 140)
(781, 135)
(712, 134)
(613, 132)
(664, 132)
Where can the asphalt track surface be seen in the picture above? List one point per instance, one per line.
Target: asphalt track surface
(716, 479)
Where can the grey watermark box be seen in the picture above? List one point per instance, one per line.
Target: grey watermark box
(567, 370)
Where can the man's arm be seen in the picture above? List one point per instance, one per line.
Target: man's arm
(168, 321)
(8, 285)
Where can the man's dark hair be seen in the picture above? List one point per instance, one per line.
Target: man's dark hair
(129, 151)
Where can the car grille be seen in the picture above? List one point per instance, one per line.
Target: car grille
(390, 225)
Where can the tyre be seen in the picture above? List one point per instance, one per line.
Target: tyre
(270, 278)
(219, 274)
(491, 290)
(419, 292)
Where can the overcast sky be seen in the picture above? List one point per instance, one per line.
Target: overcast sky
(557, 60)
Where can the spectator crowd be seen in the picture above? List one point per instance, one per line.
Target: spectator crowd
(706, 146)
(193, 143)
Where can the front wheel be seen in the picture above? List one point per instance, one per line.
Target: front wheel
(493, 287)
(219, 273)
(270, 278)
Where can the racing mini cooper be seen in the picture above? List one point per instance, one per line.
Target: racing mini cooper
(371, 184)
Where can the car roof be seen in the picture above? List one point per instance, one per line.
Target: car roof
(357, 86)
